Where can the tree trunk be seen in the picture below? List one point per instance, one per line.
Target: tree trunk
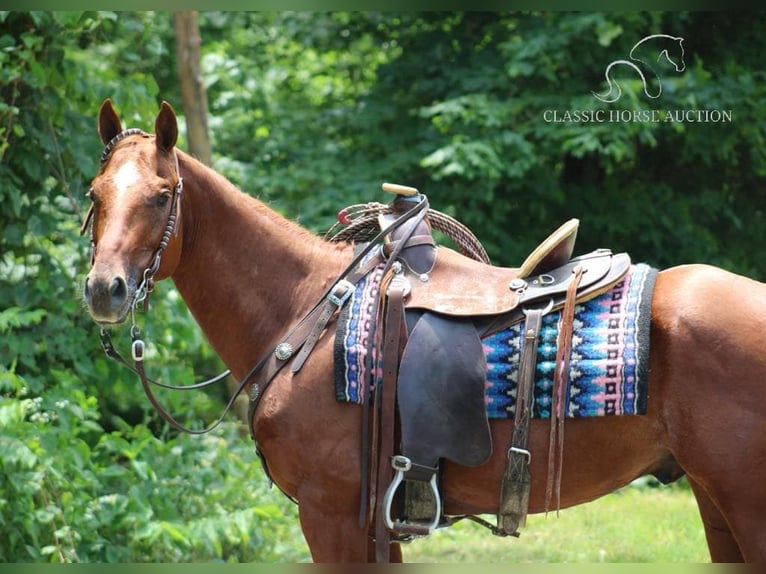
(192, 85)
(194, 96)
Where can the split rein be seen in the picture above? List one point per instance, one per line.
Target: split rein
(305, 332)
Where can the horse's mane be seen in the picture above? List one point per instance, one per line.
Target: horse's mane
(214, 182)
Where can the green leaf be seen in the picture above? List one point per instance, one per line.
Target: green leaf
(17, 318)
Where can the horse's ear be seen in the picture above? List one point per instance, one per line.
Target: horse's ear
(166, 127)
(109, 124)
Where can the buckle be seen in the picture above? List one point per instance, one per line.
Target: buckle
(521, 451)
(137, 350)
(339, 300)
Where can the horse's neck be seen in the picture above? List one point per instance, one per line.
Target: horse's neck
(246, 273)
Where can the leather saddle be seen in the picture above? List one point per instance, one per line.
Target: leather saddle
(450, 302)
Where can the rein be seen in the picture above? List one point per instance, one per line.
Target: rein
(302, 337)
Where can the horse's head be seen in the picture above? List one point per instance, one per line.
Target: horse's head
(135, 204)
(676, 55)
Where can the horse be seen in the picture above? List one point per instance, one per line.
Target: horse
(641, 55)
(248, 274)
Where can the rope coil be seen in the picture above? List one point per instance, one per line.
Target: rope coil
(359, 222)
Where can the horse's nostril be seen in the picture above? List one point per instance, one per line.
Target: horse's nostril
(117, 289)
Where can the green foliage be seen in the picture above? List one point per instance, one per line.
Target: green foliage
(312, 111)
(72, 492)
(87, 473)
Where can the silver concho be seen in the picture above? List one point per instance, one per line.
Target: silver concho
(283, 351)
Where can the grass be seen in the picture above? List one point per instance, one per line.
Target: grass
(629, 525)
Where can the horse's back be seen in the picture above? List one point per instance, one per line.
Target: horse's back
(703, 312)
(708, 355)
(702, 318)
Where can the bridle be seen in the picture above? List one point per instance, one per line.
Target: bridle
(171, 227)
(141, 295)
(297, 343)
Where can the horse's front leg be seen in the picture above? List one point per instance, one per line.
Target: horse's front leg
(331, 528)
(395, 553)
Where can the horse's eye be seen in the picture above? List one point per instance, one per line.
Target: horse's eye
(162, 199)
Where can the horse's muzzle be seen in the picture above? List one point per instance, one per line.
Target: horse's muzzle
(107, 296)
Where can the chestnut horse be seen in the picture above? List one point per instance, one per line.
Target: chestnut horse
(248, 275)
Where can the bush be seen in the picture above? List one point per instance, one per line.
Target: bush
(73, 493)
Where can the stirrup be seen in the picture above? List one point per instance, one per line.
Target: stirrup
(403, 464)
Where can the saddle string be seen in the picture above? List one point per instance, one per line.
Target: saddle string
(560, 383)
(385, 381)
(416, 212)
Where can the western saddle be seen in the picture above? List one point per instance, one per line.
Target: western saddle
(435, 306)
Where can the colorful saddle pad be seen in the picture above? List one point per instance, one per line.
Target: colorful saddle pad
(609, 366)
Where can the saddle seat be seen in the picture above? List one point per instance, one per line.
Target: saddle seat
(447, 282)
(458, 286)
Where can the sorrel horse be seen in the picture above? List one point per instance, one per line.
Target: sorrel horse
(247, 275)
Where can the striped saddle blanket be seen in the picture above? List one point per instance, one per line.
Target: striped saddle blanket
(609, 365)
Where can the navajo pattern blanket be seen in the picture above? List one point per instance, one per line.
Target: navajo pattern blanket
(609, 367)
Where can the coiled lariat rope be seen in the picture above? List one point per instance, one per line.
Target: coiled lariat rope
(359, 223)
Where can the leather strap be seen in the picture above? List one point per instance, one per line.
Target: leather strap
(314, 322)
(369, 446)
(389, 247)
(560, 384)
(394, 337)
(514, 492)
(263, 372)
(335, 299)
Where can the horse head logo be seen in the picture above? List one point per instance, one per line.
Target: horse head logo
(647, 51)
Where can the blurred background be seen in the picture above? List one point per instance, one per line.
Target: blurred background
(311, 112)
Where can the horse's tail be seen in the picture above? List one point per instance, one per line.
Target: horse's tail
(611, 95)
(614, 91)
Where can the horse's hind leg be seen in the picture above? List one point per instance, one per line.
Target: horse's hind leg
(720, 540)
(709, 360)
